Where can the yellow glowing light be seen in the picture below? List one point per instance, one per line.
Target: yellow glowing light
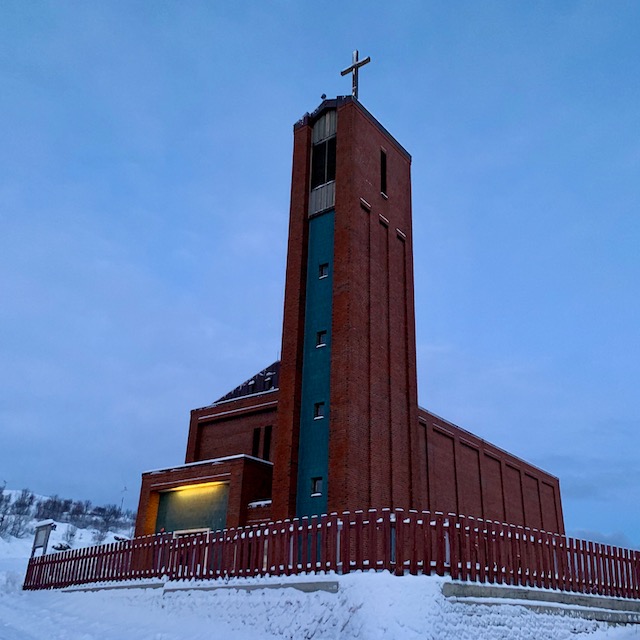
(190, 490)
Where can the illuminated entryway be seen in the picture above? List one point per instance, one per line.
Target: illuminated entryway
(197, 506)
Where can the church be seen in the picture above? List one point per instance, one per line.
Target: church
(335, 424)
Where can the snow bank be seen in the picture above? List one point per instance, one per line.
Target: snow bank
(367, 607)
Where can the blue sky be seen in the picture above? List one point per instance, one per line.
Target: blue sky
(145, 161)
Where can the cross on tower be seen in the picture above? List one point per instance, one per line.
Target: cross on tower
(353, 70)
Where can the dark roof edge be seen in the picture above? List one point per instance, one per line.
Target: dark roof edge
(308, 119)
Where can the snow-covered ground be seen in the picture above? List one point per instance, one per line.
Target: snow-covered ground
(367, 606)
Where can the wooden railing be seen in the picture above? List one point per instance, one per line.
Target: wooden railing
(397, 541)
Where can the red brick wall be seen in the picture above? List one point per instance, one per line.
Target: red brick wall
(227, 429)
(373, 413)
(469, 476)
(249, 480)
(286, 444)
(373, 427)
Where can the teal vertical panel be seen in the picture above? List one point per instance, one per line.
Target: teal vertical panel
(313, 452)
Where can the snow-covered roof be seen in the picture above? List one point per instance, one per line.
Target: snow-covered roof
(265, 380)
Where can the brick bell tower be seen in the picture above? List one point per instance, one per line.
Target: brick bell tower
(348, 409)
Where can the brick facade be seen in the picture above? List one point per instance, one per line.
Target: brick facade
(228, 428)
(383, 450)
(473, 477)
(249, 480)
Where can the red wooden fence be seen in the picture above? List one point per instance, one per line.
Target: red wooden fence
(401, 542)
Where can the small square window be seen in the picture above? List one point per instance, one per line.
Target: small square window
(316, 487)
(321, 339)
(318, 410)
(323, 270)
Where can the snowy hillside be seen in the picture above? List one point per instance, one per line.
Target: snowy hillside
(78, 523)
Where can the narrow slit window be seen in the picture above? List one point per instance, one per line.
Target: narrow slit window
(266, 450)
(316, 487)
(318, 165)
(255, 449)
(321, 339)
(323, 270)
(383, 172)
(318, 410)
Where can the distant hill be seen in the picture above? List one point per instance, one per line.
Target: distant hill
(79, 523)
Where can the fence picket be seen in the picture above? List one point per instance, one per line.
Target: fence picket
(426, 543)
(386, 539)
(439, 544)
(411, 549)
(455, 544)
(358, 518)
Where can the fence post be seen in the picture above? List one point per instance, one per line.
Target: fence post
(474, 550)
(332, 543)
(501, 556)
(386, 539)
(626, 573)
(358, 540)
(440, 544)
(372, 551)
(399, 542)
(466, 548)
(455, 553)
(482, 548)
(610, 572)
(345, 542)
(561, 561)
(413, 542)
(426, 543)
(538, 545)
(313, 524)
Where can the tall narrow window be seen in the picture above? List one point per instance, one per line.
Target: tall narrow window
(383, 172)
(321, 339)
(316, 487)
(255, 449)
(318, 410)
(323, 270)
(323, 162)
(266, 451)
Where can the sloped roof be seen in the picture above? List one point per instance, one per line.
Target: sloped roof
(265, 380)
